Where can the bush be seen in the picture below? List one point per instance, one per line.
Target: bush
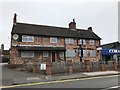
(13, 66)
(30, 70)
(5, 60)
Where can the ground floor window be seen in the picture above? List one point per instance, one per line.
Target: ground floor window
(45, 54)
(61, 54)
(93, 53)
(70, 53)
(27, 54)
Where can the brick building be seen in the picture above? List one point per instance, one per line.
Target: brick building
(41, 43)
(4, 54)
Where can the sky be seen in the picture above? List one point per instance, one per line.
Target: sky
(101, 15)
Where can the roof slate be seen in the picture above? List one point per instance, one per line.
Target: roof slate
(42, 30)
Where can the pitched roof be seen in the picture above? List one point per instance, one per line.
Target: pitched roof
(111, 45)
(42, 30)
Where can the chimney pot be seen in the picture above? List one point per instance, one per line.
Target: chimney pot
(73, 20)
(15, 19)
(90, 28)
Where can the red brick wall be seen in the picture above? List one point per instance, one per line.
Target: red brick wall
(15, 55)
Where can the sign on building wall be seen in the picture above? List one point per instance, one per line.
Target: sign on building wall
(107, 51)
(43, 66)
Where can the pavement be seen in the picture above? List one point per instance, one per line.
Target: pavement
(15, 77)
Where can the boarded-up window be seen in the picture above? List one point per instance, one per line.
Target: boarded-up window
(70, 53)
(27, 54)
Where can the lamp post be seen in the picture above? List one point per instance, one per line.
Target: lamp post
(81, 44)
(80, 49)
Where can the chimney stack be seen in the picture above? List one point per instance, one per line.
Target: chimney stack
(72, 25)
(90, 29)
(15, 19)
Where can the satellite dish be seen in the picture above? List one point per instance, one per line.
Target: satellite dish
(14, 44)
(15, 36)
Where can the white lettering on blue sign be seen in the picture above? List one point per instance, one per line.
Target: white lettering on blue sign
(114, 51)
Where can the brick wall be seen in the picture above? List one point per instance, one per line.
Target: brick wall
(15, 54)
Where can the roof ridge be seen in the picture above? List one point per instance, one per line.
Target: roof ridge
(111, 43)
(49, 26)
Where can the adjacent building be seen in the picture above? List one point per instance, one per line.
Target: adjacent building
(111, 51)
(42, 43)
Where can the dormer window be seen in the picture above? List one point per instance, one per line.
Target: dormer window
(26, 38)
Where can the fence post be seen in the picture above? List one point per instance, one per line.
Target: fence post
(35, 67)
(24, 66)
(70, 68)
(48, 68)
(102, 68)
(114, 65)
(87, 65)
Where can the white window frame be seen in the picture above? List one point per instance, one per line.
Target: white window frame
(66, 40)
(27, 38)
(84, 41)
(69, 40)
(53, 39)
(27, 54)
(80, 41)
(45, 54)
(92, 42)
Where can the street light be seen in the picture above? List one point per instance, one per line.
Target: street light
(80, 49)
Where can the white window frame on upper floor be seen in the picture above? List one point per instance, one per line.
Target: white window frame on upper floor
(27, 38)
(92, 42)
(84, 41)
(69, 40)
(53, 39)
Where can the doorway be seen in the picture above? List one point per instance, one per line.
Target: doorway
(53, 56)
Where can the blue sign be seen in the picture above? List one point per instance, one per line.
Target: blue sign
(108, 51)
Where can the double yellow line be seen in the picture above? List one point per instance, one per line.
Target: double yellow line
(52, 82)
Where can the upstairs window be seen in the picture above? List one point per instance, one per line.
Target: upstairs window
(26, 38)
(82, 40)
(69, 40)
(53, 39)
(92, 42)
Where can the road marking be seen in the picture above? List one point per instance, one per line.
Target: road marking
(111, 88)
(51, 82)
